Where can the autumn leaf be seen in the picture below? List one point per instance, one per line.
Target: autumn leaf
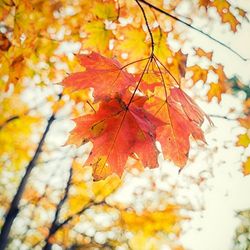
(133, 42)
(162, 51)
(4, 42)
(220, 87)
(105, 10)
(246, 166)
(223, 9)
(96, 32)
(201, 53)
(243, 140)
(118, 131)
(182, 118)
(198, 73)
(245, 122)
(215, 90)
(124, 130)
(105, 75)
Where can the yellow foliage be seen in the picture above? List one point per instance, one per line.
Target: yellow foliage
(162, 51)
(133, 42)
(243, 140)
(246, 166)
(84, 189)
(104, 188)
(15, 133)
(215, 91)
(151, 222)
(198, 73)
(98, 36)
(140, 241)
(105, 10)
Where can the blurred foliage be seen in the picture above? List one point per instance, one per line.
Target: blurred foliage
(242, 237)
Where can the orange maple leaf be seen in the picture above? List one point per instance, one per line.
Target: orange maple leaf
(105, 75)
(117, 132)
(182, 118)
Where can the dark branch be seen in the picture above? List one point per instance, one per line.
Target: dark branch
(222, 117)
(146, 21)
(58, 226)
(192, 27)
(54, 223)
(9, 120)
(18, 116)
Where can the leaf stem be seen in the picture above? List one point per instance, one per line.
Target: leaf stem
(162, 78)
(140, 60)
(167, 70)
(138, 84)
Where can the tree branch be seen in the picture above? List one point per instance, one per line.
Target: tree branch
(15, 117)
(192, 27)
(149, 31)
(57, 225)
(54, 223)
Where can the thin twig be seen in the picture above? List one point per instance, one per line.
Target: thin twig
(162, 78)
(222, 117)
(149, 31)
(168, 71)
(138, 84)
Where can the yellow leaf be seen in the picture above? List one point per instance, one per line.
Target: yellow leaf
(153, 221)
(215, 90)
(246, 166)
(98, 36)
(133, 43)
(201, 53)
(243, 140)
(198, 73)
(104, 188)
(161, 49)
(105, 10)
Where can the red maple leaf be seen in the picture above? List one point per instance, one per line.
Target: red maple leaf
(105, 75)
(117, 132)
(182, 118)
